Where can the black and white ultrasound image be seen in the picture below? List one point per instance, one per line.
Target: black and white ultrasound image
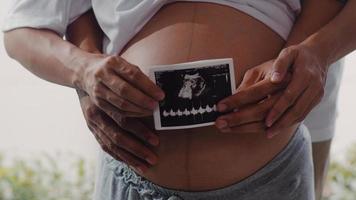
(192, 94)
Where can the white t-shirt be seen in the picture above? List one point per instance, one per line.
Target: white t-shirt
(55, 15)
(322, 119)
(122, 19)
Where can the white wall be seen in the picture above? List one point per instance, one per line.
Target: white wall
(346, 121)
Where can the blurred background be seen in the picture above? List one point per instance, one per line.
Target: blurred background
(47, 151)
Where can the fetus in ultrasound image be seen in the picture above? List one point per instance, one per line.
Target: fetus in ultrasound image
(193, 85)
(192, 94)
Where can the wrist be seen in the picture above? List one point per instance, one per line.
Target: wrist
(320, 55)
(82, 60)
(320, 49)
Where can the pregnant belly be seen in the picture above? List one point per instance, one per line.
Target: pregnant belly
(204, 158)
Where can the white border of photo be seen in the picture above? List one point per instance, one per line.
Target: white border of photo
(190, 65)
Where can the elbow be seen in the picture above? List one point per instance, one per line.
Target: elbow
(14, 42)
(10, 44)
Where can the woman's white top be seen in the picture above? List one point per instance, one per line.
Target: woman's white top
(122, 19)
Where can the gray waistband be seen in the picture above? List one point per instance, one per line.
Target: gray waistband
(265, 175)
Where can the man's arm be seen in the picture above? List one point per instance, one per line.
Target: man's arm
(40, 50)
(315, 14)
(107, 79)
(87, 35)
(309, 61)
(338, 37)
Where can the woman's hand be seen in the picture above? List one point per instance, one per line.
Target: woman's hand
(129, 145)
(307, 74)
(118, 87)
(254, 98)
(305, 90)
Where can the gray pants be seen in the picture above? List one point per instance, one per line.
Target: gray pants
(289, 176)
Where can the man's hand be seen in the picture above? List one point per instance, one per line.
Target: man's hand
(254, 98)
(305, 90)
(119, 88)
(127, 145)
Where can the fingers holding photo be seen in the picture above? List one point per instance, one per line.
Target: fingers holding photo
(249, 95)
(109, 102)
(138, 79)
(125, 86)
(255, 86)
(255, 96)
(247, 119)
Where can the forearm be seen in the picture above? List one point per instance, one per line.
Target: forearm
(86, 34)
(46, 55)
(331, 34)
(315, 15)
(337, 38)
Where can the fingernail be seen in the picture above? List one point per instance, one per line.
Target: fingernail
(270, 119)
(222, 107)
(139, 169)
(276, 76)
(269, 122)
(153, 141)
(221, 124)
(160, 96)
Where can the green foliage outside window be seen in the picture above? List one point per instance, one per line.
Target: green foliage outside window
(58, 177)
(342, 178)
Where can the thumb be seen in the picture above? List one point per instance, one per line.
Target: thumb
(282, 64)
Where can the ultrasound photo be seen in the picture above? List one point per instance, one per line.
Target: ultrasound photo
(192, 92)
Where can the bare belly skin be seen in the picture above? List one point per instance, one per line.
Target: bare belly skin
(203, 158)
